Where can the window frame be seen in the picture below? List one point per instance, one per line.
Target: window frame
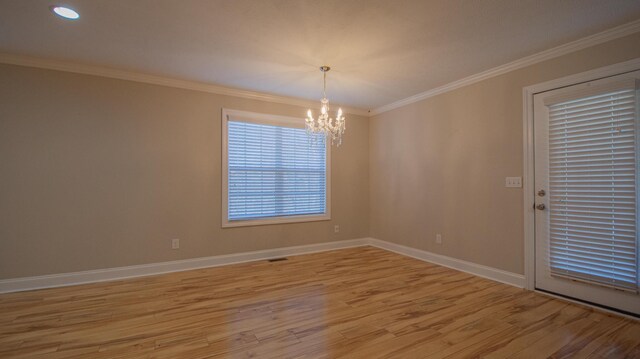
(273, 120)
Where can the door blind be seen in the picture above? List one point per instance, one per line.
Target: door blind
(593, 189)
(274, 171)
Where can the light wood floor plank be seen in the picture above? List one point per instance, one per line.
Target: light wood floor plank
(352, 303)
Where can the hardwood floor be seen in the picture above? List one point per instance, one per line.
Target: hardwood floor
(352, 303)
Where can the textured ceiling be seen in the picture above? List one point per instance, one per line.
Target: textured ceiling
(380, 50)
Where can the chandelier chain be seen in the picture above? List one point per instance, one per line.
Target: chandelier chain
(324, 84)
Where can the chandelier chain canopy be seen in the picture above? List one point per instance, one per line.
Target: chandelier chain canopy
(325, 127)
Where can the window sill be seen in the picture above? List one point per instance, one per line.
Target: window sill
(275, 220)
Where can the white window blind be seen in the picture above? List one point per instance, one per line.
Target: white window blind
(274, 171)
(593, 188)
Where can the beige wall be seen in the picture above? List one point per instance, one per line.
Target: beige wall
(98, 173)
(439, 165)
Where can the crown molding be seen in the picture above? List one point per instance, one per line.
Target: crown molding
(66, 66)
(592, 40)
(49, 64)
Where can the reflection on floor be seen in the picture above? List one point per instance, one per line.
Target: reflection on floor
(352, 303)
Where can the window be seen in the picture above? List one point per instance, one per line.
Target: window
(592, 177)
(273, 172)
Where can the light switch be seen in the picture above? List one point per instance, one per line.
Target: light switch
(513, 182)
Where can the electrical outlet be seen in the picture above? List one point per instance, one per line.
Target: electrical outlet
(438, 238)
(175, 243)
(336, 228)
(515, 182)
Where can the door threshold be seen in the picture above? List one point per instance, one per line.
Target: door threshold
(592, 305)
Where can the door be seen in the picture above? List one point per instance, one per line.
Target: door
(586, 191)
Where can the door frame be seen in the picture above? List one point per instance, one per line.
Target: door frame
(528, 150)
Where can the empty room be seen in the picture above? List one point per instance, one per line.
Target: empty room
(319, 179)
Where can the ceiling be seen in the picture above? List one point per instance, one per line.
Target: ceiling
(380, 51)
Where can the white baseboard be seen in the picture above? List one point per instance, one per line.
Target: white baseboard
(109, 274)
(498, 275)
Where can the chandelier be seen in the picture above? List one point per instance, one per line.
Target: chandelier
(324, 125)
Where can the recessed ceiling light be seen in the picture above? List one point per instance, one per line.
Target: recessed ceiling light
(65, 12)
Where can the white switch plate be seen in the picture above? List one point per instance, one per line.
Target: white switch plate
(336, 228)
(175, 243)
(438, 238)
(513, 182)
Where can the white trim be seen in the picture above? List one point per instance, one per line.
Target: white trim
(66, 66)
(602, 72)
(274, 220)
(264, 118)
(528, 149)
(109, 274)
(592, 40)
(599, 38)
(119, 273)
(479, 270)
(528, 178)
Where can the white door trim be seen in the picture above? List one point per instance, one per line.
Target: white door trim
(528, 150)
